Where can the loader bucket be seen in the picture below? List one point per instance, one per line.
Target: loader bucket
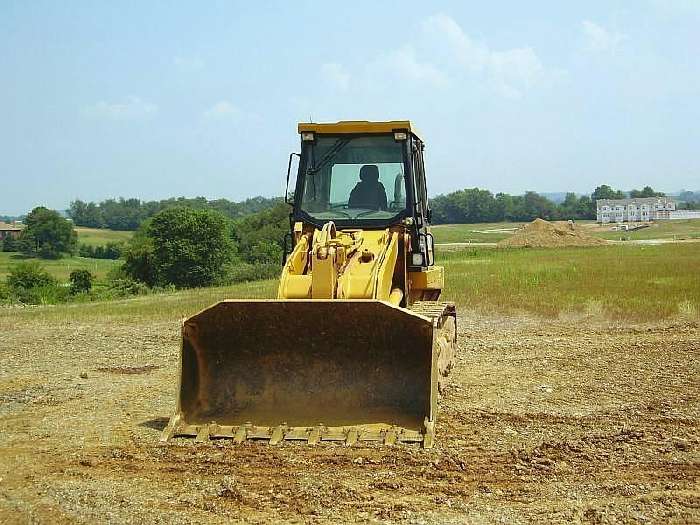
(310, 370)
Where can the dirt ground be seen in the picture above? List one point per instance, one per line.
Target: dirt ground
(543, 421)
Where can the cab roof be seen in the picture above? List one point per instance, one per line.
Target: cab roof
(358, 126)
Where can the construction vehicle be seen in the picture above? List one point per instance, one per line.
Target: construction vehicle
(357, 345)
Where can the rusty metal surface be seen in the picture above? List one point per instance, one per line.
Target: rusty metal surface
(297, 368)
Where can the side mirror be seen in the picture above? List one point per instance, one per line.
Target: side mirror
(289, 171)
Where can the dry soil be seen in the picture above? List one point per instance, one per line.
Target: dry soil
(543, 421)
(543, 234)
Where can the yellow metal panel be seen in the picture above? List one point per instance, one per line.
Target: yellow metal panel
(357, 126)
(385, 273)
(297, 287)
(359, 277)
(430, 279)
(293, 282)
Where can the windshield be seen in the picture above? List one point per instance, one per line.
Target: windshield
(354, 177)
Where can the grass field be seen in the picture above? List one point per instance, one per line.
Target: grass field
(687, 229)
(486, 232)
(625, 282)
(95, 236)
(59, 268)
(448, 233)
(617, 281)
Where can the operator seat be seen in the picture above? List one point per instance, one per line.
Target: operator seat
(369, 193)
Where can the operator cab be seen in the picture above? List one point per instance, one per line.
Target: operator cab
(366, 175)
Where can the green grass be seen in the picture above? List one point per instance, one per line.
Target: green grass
(160, 306)
(686, 229)
(96, 237)
(623, 281)
(59, 268)
(641, 283)
(448, 233)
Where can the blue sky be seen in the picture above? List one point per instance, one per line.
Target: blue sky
(159, 99)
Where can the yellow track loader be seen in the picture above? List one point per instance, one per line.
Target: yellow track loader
(357, 344)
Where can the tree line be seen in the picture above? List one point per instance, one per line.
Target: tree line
(128, 214)
(473, 205)
(177, 247)
(197, 245)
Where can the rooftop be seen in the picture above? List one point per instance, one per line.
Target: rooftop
(636, 200)
(4, 226)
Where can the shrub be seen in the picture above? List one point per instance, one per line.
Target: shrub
(10, 244)
(181, 246)
(260, 236)
(29, 283)
(111, 250)
(29, 274)
(6, 295)
(80, 281)
(121, 288)
(243, 272)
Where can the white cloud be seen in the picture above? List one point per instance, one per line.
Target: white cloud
(222, 110)
(404, 62)
(599, 39)
(445, 54)
(130, 109)
(336, 75)
(509, 71)
(188, 64)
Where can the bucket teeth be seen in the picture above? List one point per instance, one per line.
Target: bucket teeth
(203, 434)
(277, 435)
(351, 438)
(390, 437)
(310, 435)
(170, 431)
(240, 435)
(315, 435)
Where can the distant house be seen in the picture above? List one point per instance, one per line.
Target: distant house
(10, 230)
(634, 210)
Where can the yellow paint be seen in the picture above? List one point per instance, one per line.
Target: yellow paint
(358, 127)
(350, 264)
(429, 279)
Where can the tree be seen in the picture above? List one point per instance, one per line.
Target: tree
(111, 250)
(86, 214)
(569, 208)
(9, 244)
(585, 209)
(80, 281)
(259, 236)
(129, 214)
(647, 191)
(181, 246)
(138, 257)
(606, 192)
(47, 234)
(535, 205)
(689, 196)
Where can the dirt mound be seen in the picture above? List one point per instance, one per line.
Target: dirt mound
(543, 234)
